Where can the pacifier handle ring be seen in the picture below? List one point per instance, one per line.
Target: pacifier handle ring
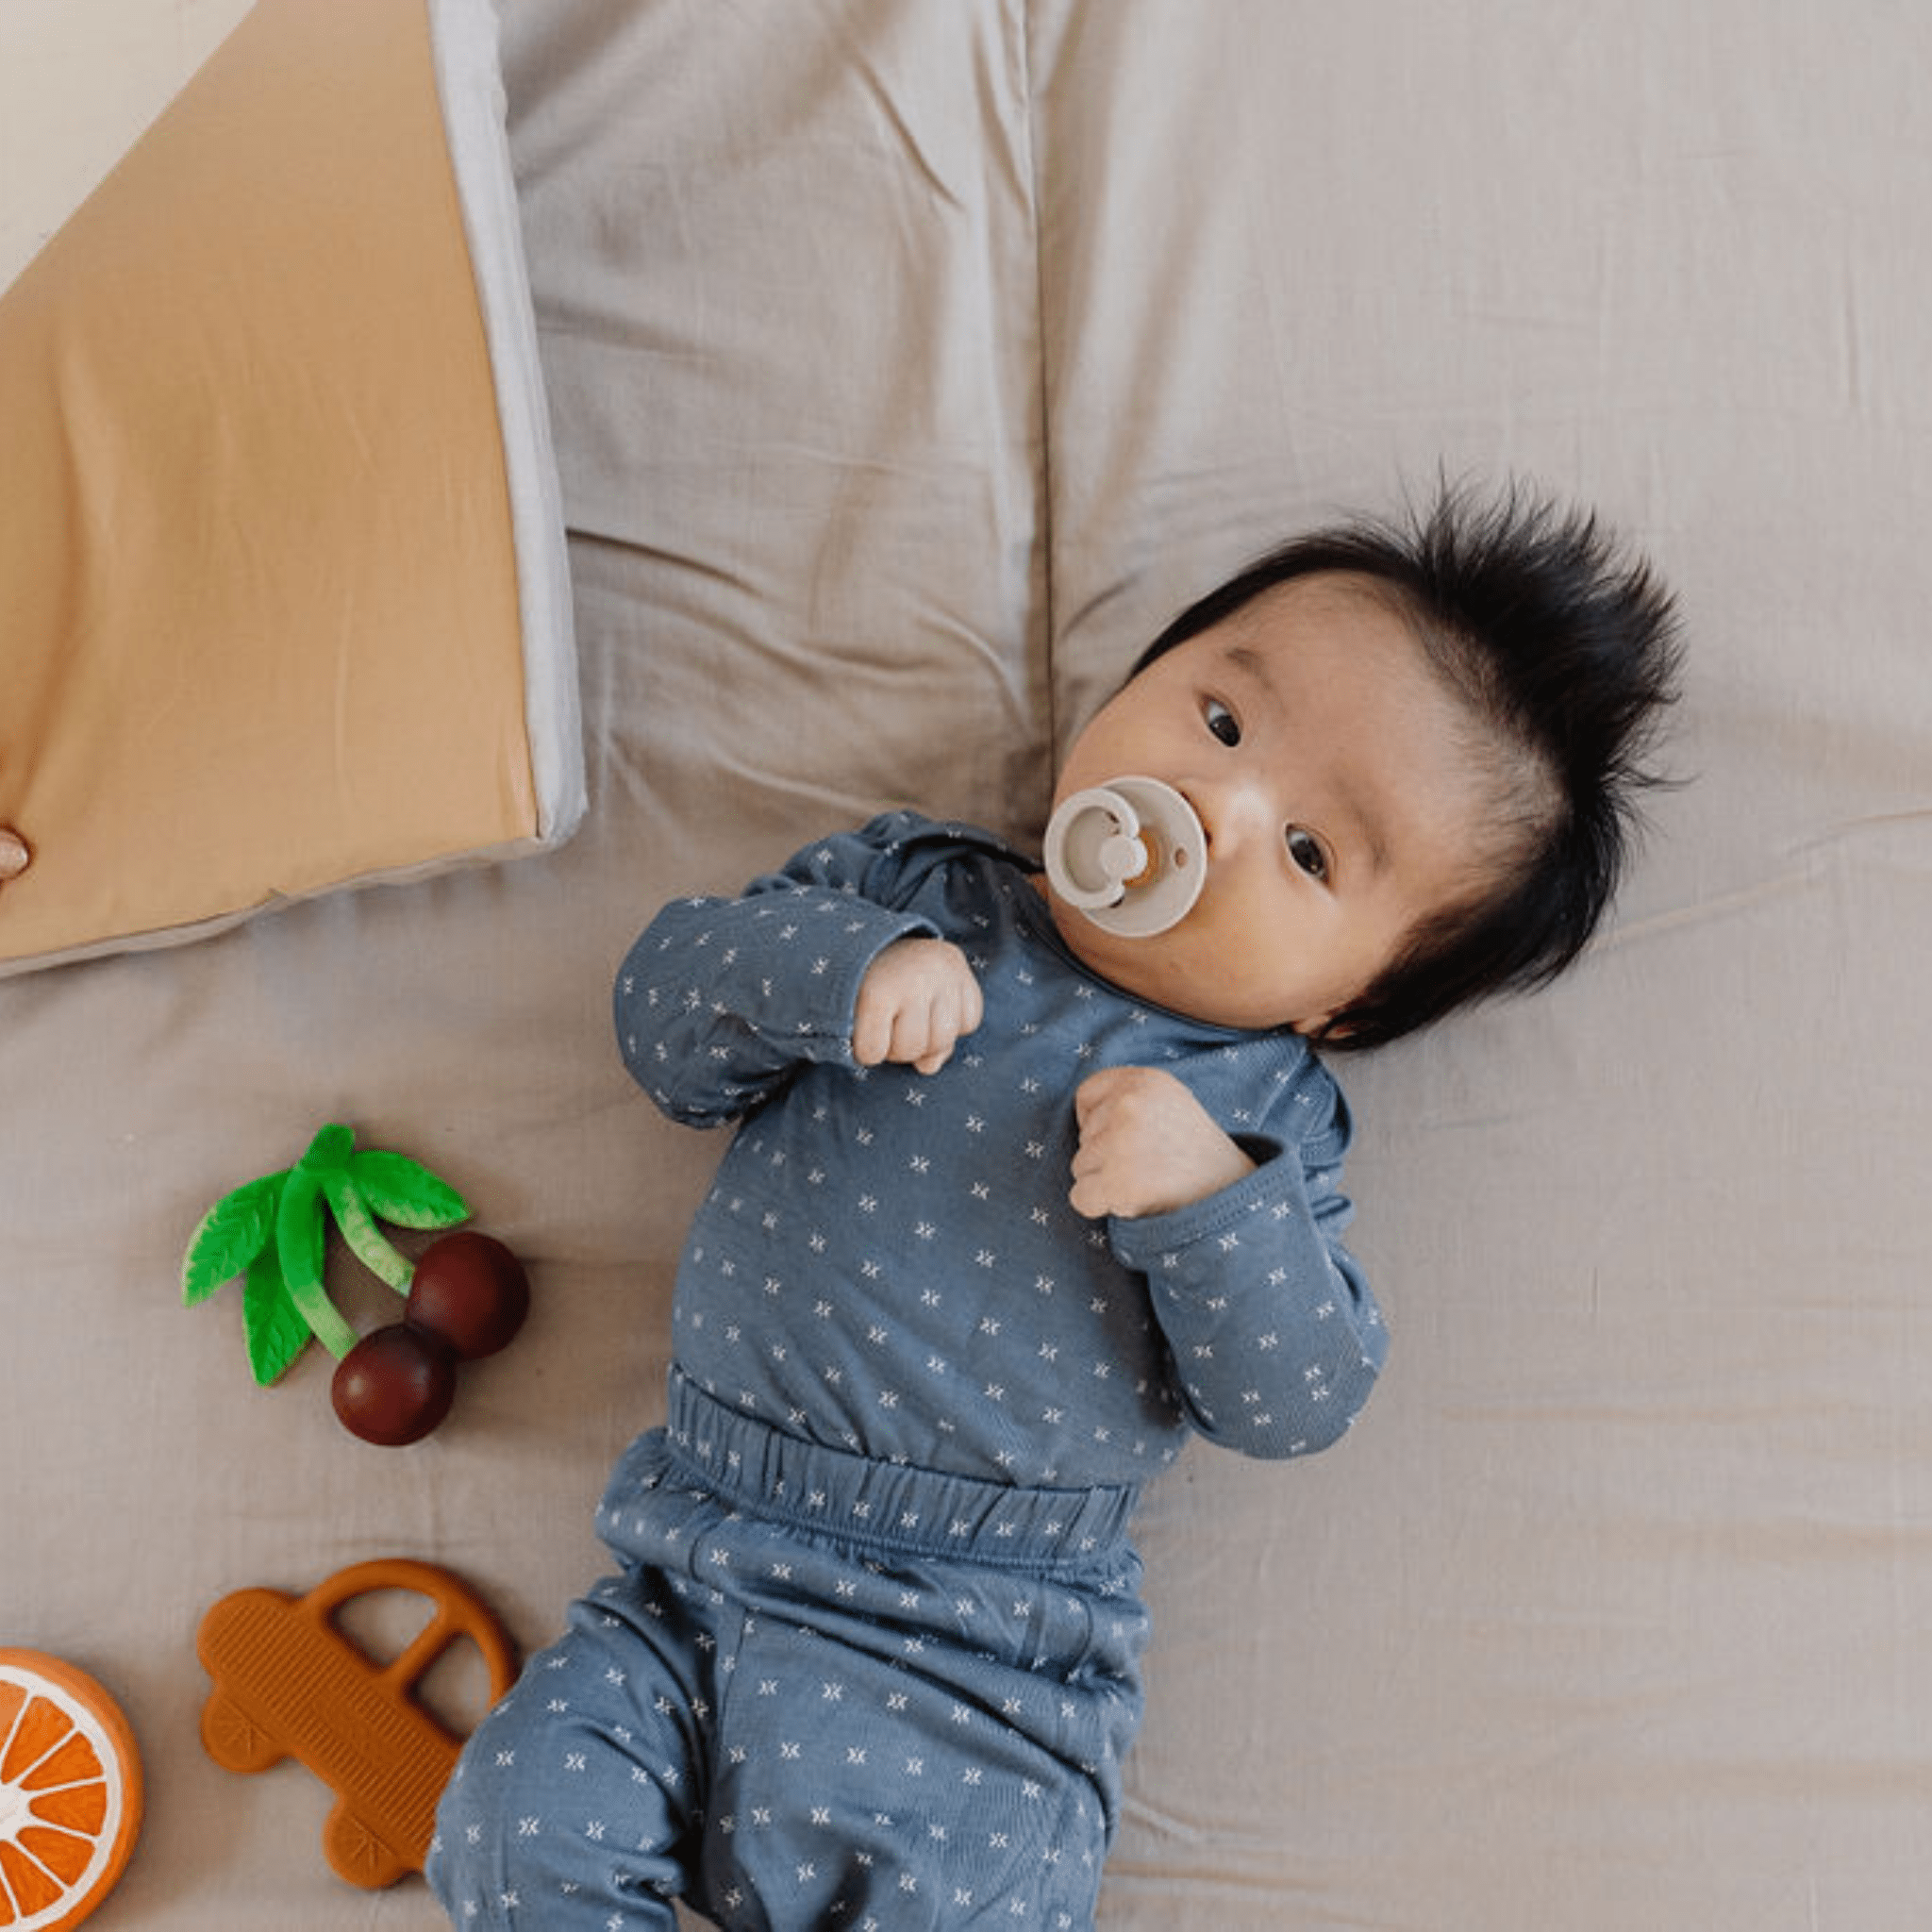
(1127, 823)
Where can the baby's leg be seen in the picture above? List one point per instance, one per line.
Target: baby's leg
(884, 1770)
(571, 1803)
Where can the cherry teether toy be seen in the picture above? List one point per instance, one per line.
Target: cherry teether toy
(467, 1294)
(1130, 856)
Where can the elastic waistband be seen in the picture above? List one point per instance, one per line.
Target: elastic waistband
(887, 1506)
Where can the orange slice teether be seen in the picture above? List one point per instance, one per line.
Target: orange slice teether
(70, 1792)
(288, 1683)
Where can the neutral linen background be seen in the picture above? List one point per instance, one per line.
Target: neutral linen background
(910, 360)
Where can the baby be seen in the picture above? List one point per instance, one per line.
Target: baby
(1026, 1188)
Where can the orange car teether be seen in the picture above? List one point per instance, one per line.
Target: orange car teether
(288, 1683)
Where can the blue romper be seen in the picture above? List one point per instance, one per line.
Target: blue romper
(871, 1656)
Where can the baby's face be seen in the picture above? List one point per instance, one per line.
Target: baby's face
(1342, 789)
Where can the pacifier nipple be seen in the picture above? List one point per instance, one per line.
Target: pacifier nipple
(1130, 856)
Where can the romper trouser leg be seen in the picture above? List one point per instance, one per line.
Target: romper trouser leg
(824, 1692)
(573, 1804)
(933, 1686)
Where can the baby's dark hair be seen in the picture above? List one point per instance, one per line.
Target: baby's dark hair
(1566, 649)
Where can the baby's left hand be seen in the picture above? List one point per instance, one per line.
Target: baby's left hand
(1147, 1146)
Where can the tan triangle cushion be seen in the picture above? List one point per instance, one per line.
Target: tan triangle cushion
(280, 562)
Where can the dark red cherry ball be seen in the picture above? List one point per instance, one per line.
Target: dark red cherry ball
(395, 1385)
(469, 1291)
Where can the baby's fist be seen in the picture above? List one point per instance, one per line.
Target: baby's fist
(918, 999)
(1147, 1146)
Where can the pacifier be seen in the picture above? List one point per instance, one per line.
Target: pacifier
(1130, 856)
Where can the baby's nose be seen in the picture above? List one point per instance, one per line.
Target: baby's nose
(1232, 816)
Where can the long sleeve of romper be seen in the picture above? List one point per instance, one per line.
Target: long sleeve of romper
(1274, 1336)
(720, 998)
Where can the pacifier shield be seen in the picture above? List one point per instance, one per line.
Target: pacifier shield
(1130, 856)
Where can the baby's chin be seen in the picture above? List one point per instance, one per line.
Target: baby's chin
(1098, 950)
(1164, 969)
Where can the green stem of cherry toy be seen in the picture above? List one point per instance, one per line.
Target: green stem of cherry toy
(327, 1173)
(331, 1158)
(299, 1243)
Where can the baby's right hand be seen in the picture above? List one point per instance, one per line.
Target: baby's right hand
(918, 999)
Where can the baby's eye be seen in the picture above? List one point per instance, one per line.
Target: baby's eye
(1221, 721)
(1306, 850)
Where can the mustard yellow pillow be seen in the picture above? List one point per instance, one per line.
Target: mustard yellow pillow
(282, 576)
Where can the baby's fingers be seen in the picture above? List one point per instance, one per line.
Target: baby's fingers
(922, 1039)
(919, 999)
(872, 1026)
(1090, 1195)
(953, 1011)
